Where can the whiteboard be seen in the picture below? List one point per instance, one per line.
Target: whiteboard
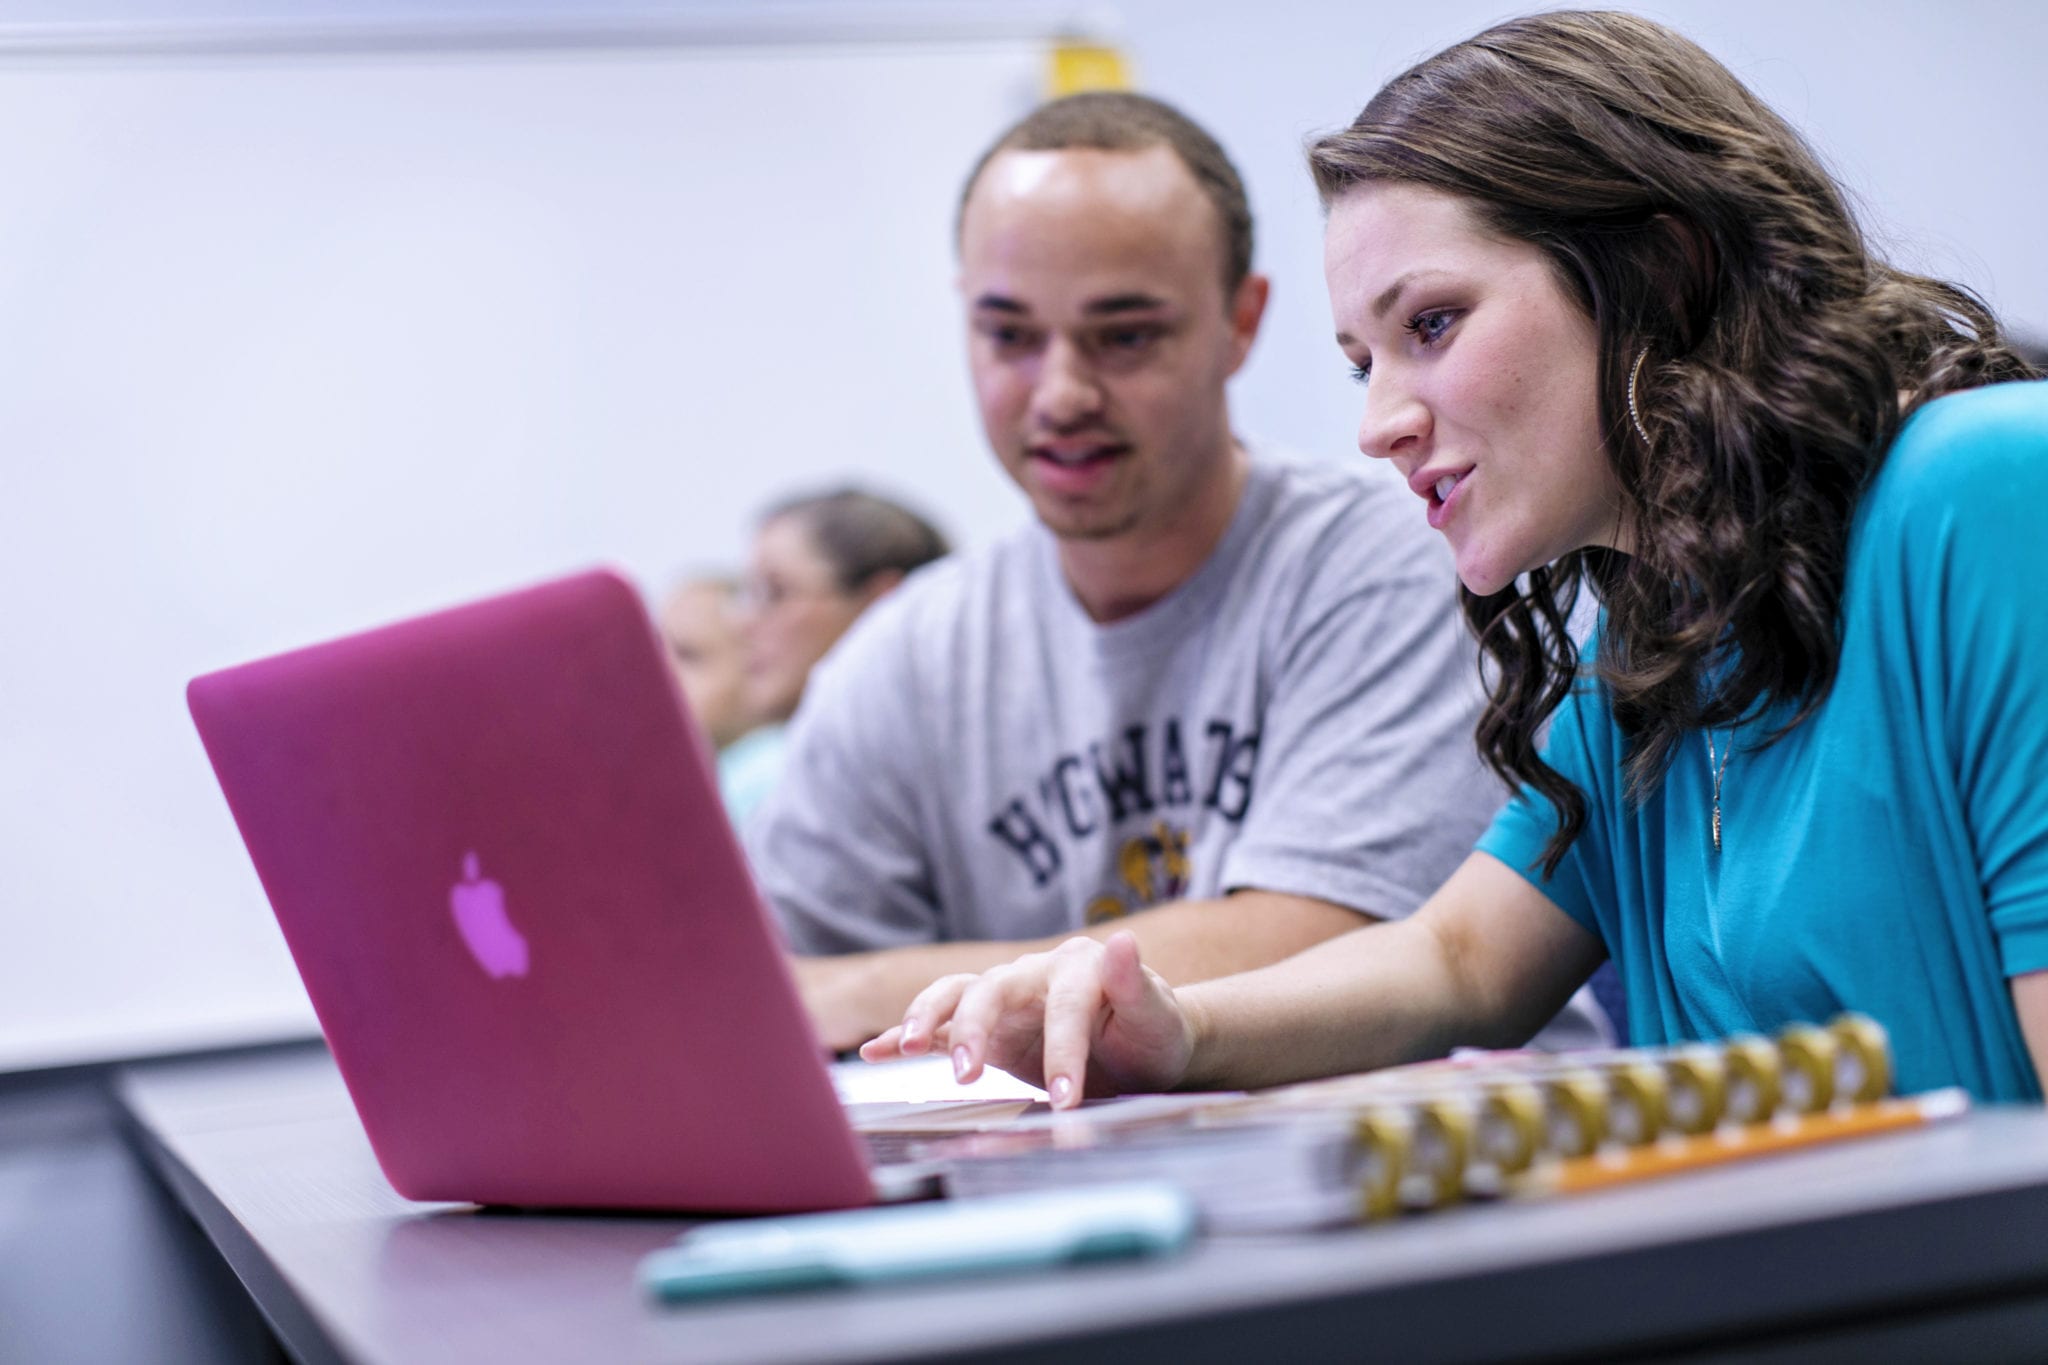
(292, 343)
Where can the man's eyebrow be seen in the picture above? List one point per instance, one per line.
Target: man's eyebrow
(1123, 303)
(1115, 305)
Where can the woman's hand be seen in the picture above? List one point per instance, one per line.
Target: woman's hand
(1086, 1018)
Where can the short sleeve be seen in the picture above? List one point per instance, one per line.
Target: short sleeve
(1370, 790)
(836, 845)
(1581, 737)
(1980, 477)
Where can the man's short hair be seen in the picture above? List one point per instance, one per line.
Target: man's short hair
(1119, 121)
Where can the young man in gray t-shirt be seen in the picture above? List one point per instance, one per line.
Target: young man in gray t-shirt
(1233, 696)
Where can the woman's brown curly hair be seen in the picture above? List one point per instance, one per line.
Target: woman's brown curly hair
(1685, 217)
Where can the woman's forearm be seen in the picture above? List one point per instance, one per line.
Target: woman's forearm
(1371, 998)
(1485, 963)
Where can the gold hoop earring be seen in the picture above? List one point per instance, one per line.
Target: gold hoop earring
(1635, 415)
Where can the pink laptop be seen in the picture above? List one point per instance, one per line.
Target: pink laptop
(495, 846)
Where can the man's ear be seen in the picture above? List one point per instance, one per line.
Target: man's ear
(1247, 309)
(879, 585)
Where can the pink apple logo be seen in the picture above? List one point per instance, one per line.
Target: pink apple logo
(479, 906)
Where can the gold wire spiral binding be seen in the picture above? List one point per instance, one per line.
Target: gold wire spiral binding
(1440, 1152)
(1384, 1137)
(1635, 1102)
(1863, 1067)
(1441, 1138)
(1808, 1054)
(1753, 1071)
(1696, 1089)
(1574, 1113)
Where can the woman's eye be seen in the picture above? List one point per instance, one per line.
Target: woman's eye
(1430, 327)
(1361, 374)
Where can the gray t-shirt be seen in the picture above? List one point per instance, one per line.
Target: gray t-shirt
(980, 760)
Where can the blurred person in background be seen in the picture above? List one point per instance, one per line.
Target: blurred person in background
(700, 622)
(819, 561)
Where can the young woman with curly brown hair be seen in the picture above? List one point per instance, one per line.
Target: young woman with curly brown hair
(1619, 330)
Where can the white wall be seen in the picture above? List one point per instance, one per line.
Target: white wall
(291, 345)
(288, 346)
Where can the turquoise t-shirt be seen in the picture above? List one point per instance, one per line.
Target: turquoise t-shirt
(1890, 855)
(749, 768)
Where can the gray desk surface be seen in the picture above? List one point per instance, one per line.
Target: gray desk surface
(1907, 1246)
(84, 1227)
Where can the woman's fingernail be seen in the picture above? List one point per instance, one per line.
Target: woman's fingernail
(1062, 1089)
(960, 1063)
(909, 1029)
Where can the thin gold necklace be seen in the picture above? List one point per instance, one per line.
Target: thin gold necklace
(1718, 766)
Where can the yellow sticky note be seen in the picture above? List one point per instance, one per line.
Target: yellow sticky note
(1072, 67)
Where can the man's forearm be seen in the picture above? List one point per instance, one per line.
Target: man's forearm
(1190, 941)
(855, 996)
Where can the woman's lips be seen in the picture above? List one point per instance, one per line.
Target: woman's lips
(1442, 502)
